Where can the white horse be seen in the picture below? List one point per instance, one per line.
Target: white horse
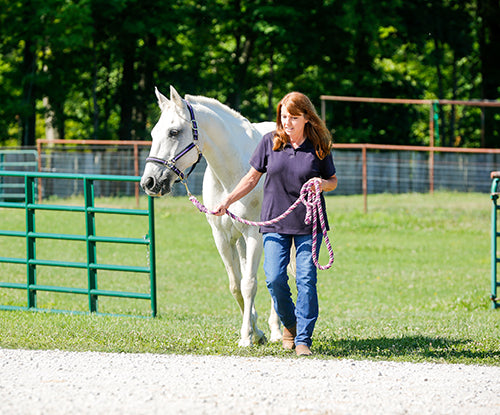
(199, 125)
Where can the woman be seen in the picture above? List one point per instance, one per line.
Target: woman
(297, 151)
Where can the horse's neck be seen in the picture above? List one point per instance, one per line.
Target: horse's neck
(228, 143)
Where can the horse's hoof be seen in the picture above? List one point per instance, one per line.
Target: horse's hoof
(261, 341)
(244, 343)
(276, 336)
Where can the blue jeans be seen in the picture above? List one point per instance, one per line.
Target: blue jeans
(276, 259)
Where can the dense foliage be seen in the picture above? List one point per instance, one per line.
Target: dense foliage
(87, 68)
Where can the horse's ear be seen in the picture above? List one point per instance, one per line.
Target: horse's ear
(175, 97)
(162, 99)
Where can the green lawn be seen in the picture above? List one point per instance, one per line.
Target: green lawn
(410, 282)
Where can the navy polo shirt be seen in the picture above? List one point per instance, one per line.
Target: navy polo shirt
(286, 171)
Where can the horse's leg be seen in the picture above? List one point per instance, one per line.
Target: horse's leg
(229, 256)
(226, 237)
(274, 325)
(250, 252)
(228, 251)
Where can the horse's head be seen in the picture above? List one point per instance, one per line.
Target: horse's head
(174, 148)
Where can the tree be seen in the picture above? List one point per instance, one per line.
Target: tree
(22, 21)
(92, 65)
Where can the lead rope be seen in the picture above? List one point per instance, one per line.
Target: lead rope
(310, 196)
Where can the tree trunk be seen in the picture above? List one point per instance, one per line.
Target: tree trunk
(29, 102)
(126, 97)
(489, 41)
(148, 63)
(271, 115)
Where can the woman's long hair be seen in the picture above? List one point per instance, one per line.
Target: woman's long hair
(315, 129)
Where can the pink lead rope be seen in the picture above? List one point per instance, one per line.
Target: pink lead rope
(310, 196)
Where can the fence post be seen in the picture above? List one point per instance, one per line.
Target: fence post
(495, 176)
(39, 151)
(136, 172)
(91, 245)
(365, 179)
(30, 241)
(434, 137)
(152, 255)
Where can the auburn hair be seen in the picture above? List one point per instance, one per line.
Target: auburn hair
(315, 129)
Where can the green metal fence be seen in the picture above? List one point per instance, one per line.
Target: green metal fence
(495, 193)
(89, 210)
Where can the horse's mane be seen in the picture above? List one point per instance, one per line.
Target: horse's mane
(213, 101)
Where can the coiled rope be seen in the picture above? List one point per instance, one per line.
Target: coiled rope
(310, 196)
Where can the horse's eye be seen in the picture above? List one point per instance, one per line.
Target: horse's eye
(173, 133)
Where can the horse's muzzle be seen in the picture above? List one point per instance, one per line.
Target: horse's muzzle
(154, 187)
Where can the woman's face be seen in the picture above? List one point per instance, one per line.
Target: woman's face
(293, 124)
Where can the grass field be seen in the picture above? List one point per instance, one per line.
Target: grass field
(411, 282)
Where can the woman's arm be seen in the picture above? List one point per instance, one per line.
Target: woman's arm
(245, 186)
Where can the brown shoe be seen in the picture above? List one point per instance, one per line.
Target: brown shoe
(289, 337)
(303, 350)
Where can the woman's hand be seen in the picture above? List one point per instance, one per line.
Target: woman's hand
(245, 186)
(220, 210)
(329, 184)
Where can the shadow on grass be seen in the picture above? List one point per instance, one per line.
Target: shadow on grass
(417, 348)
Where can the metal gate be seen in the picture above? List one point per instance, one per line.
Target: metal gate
(89, 210)
(495, 193)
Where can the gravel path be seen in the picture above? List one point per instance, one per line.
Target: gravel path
(58, 382)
